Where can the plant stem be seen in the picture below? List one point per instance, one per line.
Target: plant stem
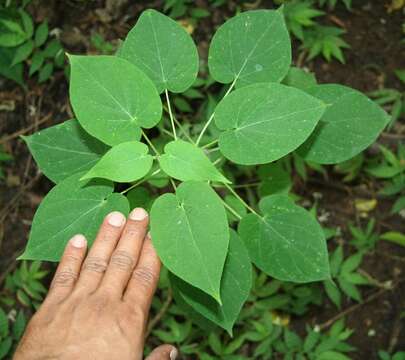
(166, 132)
(209, 144)
(171, 114)
(140, 181)
(211, 150)
(244, 203)
(177, 122)
(254, 184)
(232, 210)
(173, 184)
(213, 113)
(150, 143)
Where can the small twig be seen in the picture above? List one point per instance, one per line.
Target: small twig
(354, 307)
(13, 202)
(25, 130)
(155, 320)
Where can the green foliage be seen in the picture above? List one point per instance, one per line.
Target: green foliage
(345, 272)
(24, 284)
(299, 15)
(392, 100)
(116, 100)
(105, 47)
(4, 157)
(325, 40)
(11, 329)
(332, 3)
(23, 43)
(390, 167)
(384, 355)
(239, 51)
(366, 239)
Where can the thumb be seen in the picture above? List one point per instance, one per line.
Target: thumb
(163, 352)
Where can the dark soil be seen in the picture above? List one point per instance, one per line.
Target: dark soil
(374, 36)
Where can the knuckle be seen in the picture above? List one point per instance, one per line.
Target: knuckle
(122, 260)
(144, 276)
(65, 278)
(109, 233)
(95, 264)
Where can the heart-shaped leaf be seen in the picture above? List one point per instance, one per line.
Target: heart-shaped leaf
(251, 47)
(112, 98)
(71, 207)
(287, 242)
(264, 122)
(185, 161)
(190, 233)
(65, 149)
(161, 48)
(351, 123)
(235, 288)
(125, 162)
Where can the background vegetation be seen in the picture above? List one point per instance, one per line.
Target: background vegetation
(360, 203)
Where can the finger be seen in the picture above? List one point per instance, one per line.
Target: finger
(126, 253)
(163, 352)
(99, 255)
(144, 279)
(68, 269)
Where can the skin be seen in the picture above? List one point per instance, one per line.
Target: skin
(98, 305)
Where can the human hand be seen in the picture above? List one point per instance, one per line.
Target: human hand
(97, 306)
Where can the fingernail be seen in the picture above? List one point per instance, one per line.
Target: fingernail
(148, 235)
(173, 354)
(78, 241)
(116, 219)
(138, 214)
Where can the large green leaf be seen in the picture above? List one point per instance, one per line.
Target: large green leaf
(112, 98)
(185, 161)
(264, 122)
(235, 288)
(350, 124)
(125, 162)
(71, 207)
(287, 242)
(161, 48)
(251, 47)
(65, 149)
(190, 233)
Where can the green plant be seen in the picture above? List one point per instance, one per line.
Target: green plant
(364, 240)
(392, 100)
(325, 40)
(299, 15)
(116, 100)
(105, 47)
(25, 285)
(332, 3)
(345, 272)
(21, 42)
(11, 330)
(384, 355)
(390, 167)
(4, 157)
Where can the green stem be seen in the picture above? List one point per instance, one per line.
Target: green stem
(173, 184)
(232, 210)
(243, 202)
(150, 143)
(177, 122)
(209, 144)
(166, 132)
(240, 186)
(171, 114)
(140, 181)
(213, 113)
